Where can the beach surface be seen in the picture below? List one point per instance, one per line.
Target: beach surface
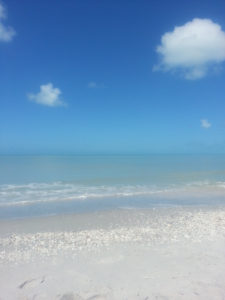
(155, 253)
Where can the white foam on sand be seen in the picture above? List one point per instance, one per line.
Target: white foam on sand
(163, 253)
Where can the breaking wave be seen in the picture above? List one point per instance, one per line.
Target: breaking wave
(25, 194)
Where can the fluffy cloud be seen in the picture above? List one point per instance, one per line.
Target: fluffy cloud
(48, 96)
(205, 123)
(6, 33)
(192, 49)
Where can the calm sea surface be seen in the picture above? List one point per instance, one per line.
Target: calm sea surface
(43, 185)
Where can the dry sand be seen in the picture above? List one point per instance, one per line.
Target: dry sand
(163, 253)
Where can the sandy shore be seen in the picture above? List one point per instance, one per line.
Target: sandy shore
(162, 253)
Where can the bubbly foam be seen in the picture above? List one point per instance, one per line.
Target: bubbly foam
(59, 191)
(25, 194)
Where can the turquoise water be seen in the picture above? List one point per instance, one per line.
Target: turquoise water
(38, 185)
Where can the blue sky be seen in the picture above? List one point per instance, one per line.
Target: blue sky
(112, 76)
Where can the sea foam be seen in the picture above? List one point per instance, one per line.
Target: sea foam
(25, 194)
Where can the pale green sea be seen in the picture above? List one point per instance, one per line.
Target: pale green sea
(45, 185)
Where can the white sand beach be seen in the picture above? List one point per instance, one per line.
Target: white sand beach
(158, 253)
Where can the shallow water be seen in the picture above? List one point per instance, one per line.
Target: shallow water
(40, 185)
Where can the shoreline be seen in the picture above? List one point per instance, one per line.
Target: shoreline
(107, 218)
(186, 196)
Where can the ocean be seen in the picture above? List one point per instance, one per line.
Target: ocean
(50, 185)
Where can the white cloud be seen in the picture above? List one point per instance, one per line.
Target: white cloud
(205, 123)
(193, 49)
(48, 96)
(6, 32)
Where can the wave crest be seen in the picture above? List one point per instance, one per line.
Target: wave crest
(25, 194)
